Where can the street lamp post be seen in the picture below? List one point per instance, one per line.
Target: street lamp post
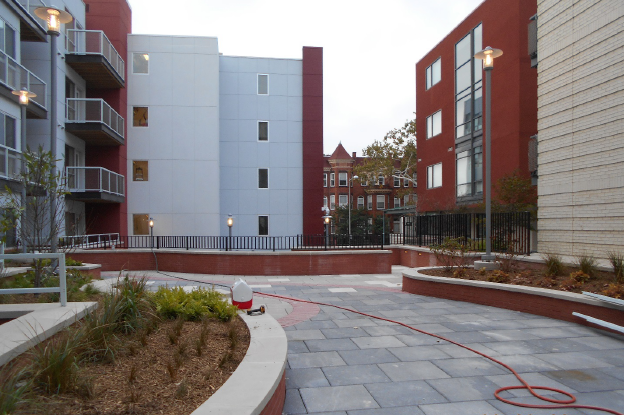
(349, 203)
(487, 55)
(326, 221)
(24, 99)
(54, 17)
(230, 223)
(151, 225)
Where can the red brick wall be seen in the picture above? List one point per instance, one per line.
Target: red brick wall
(412, 258)
(526, 303)
(276, 403)
(241, 263)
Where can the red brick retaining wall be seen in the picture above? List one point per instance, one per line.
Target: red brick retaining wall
(276, 403)
(542, 305)
(242, 263)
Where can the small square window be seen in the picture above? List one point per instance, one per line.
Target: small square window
(139, 116)
(263, 225)
(140, 224)
(263, 84)
(140, 171)
(263, 178)
(263, 131)
(140, 63)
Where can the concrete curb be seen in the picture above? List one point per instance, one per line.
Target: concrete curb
(255, 381)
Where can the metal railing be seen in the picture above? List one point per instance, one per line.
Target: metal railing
(10, 162)
(510, 230)
(16, 76)
(94, 42)
(95, 179)
(61, 289)
(30, 6)
(246, 243)
(81, 110)
(89, 241)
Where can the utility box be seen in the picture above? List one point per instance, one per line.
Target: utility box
(242, 295)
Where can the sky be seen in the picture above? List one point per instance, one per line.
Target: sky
(370, 48)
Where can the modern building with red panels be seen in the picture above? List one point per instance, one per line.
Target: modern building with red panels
(450, 106)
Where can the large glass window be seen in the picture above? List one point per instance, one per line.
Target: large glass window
(468, 72)
(263, 225)
(140, 63)
(263, 84)
(434, 73)
(470, 172)
(8, 131)
(263, 131)
(263, 178)
(434, 176)
(7, 39)
(434, 124)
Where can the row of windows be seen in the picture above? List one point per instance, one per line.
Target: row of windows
(140, 224)
(343, 201)
(381, 181)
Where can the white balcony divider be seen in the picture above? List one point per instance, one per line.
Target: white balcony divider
(94, 42)
(80, 110)
(15, 76)
(10, 162)
(95, 179)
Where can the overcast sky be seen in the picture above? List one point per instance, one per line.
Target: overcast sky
(370, 48)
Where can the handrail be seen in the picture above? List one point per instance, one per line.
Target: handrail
(95, 179)
(94, 42)
(80, 110)
(10, 162)
(61, 289)
(89, 241)
(16, 76)
(30, 6)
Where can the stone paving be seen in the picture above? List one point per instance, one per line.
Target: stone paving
(341, 363)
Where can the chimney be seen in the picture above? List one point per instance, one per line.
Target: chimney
(354, 154)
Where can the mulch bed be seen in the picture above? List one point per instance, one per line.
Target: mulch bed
(158, 378)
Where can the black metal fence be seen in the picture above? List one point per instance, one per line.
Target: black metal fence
(234, 243)
(510, 230)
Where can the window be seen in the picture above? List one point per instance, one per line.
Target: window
(434, 124)
(7, 39)
(397, 182)
(8, 132)
(324, 179)
(468, 86)
(263, 131)
(263, 84)
(263, 178)
(360, 202)
(140, 223)
(263, 225)
(406, 200)
(380, 180)
(140, 171)
(342, 200)
(397, 202)
(324, 201)
(332, 202)
(332, 179)
(434, 176)
(405, 182)
(434, 73)
(414, 176)
(140, 63)
(139, 116)
(363, 181)
(342, 178)
(381, 202)
(369, 202)
(469, 172)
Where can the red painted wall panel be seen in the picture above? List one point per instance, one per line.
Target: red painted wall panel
(312, 140)
(514, 98)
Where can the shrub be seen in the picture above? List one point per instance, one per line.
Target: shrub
(580, 277)
(14, 384)
(451, 253)
(54, 363)
(614, 290)
(499, 276)
(459, 273)
(617, 262)
(177, 303)
(587, 264)
(70, 262)
(554, 266)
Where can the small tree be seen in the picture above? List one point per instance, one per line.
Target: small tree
(359, 221)
(515, 193)
(38, 224)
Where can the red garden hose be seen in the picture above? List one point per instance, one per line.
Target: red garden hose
(558, 403)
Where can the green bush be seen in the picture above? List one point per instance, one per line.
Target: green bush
(175, 302)
(617, 262)
(554, 266)
(451, 253)
(14, 384)
(70, 262)
(587, 264)
(54, 363)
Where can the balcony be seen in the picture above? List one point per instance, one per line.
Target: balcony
(95, 185)
(14, 76)
(32, 28)
(93, 56)
(94, 121)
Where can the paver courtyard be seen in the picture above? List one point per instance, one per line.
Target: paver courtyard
(341, 363)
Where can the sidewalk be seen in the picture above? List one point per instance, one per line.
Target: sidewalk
(342, 363)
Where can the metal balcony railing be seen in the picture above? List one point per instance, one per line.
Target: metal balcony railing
(30, 6)
(17, 77)
(82, 110)
(94, 42)
(95, 179)
(10, 162)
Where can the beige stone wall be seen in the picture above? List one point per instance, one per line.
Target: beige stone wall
(581, 126)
